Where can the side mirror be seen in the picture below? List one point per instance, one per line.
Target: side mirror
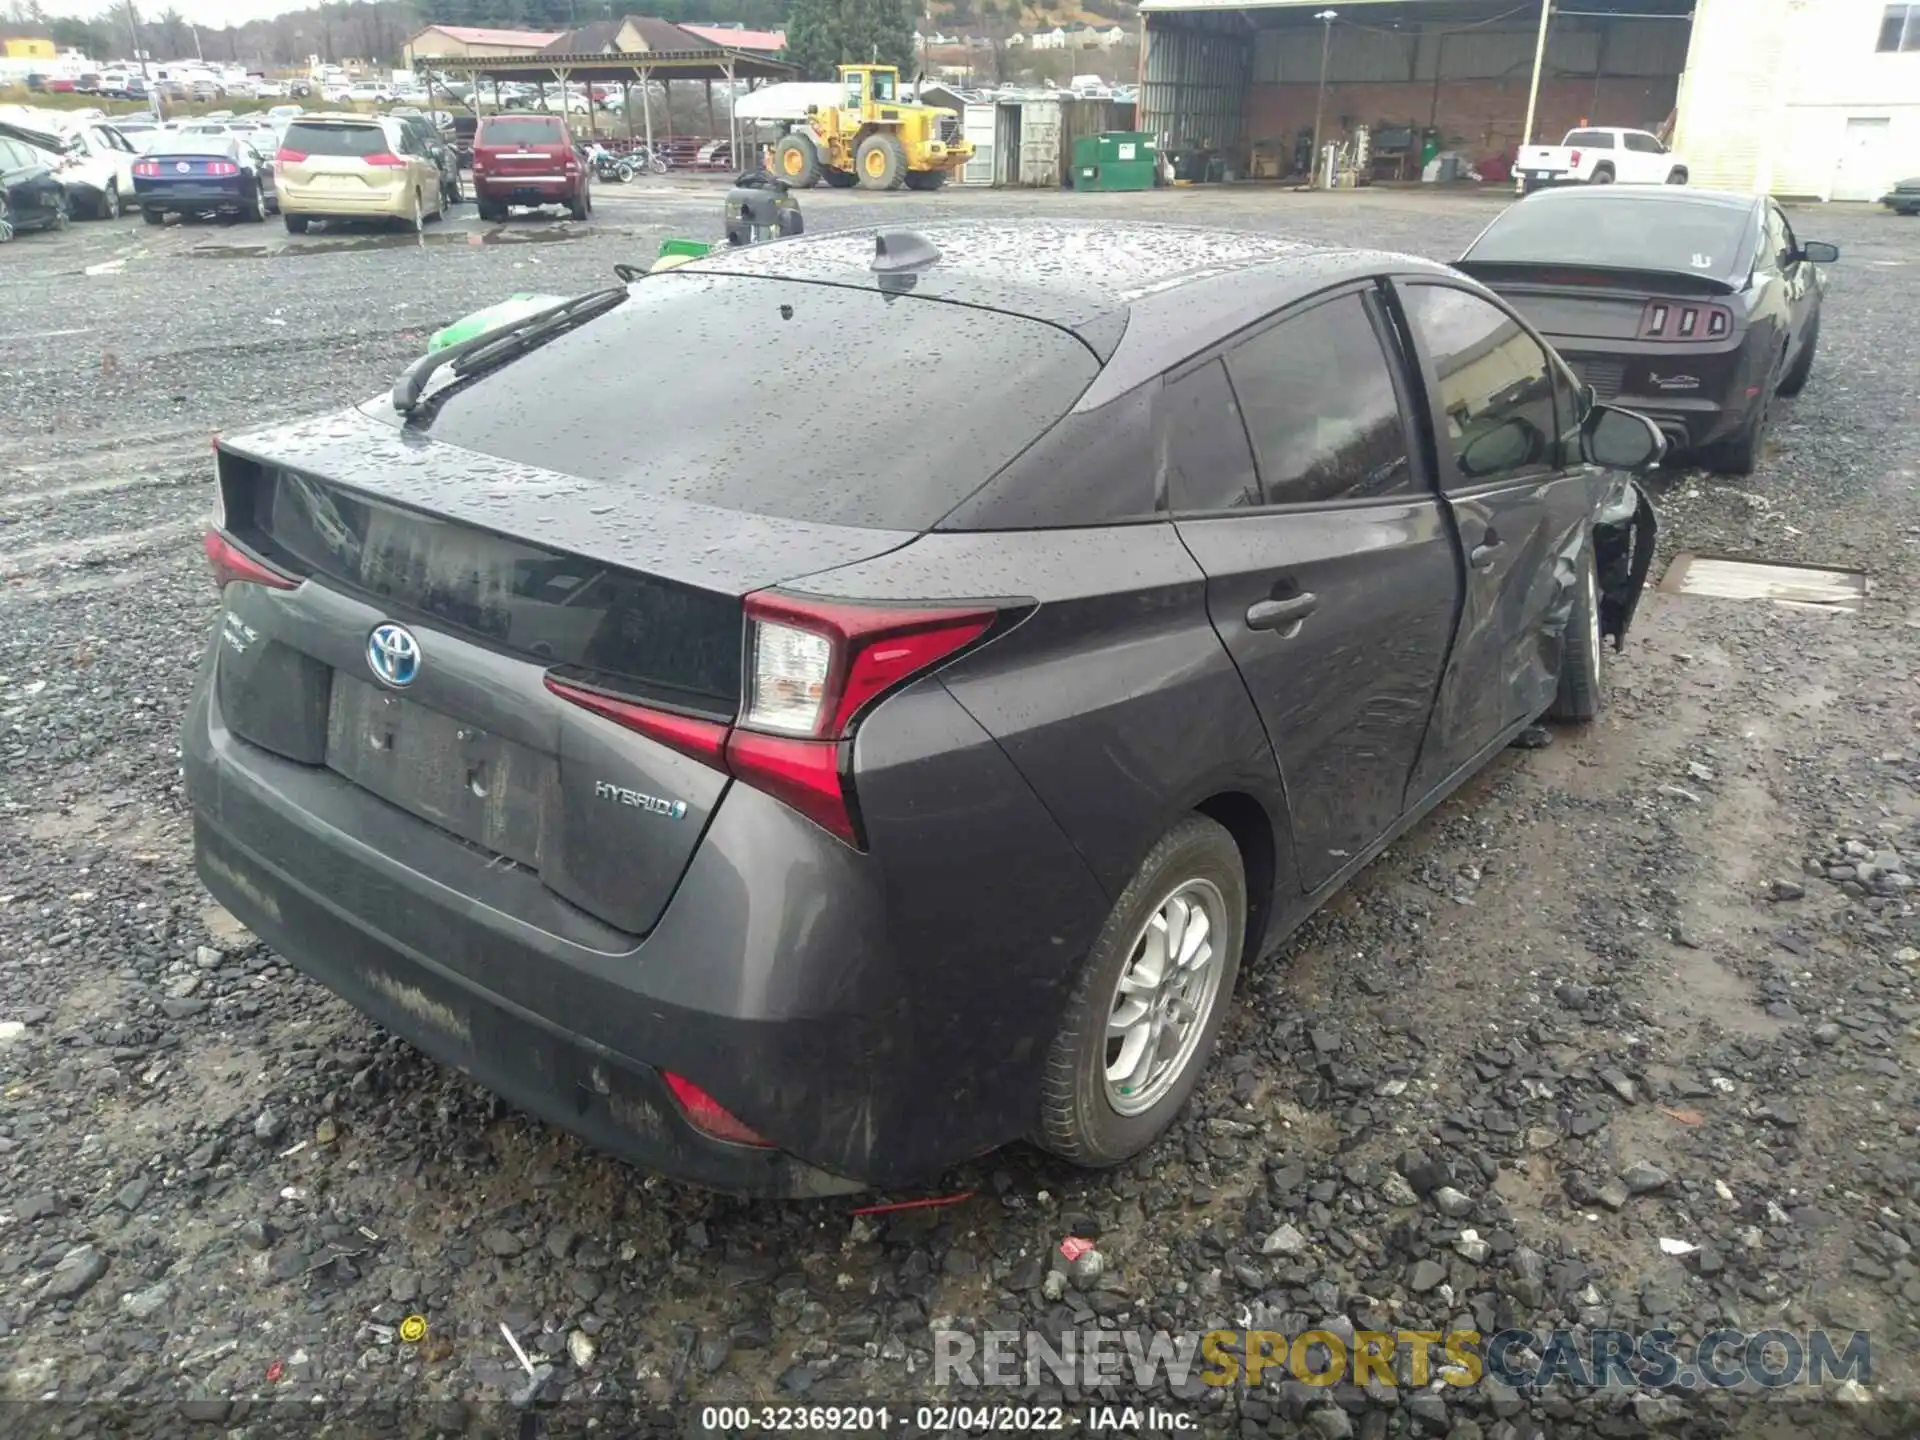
(1616, 439)
(1819, 252)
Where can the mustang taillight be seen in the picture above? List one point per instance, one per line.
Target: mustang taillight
(222, 168)
(1685, 321)
(146, 169)
(813, 668)
(231, 564)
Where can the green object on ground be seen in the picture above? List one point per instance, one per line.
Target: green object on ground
(1114, 160)
(692, 249)
(514, 307)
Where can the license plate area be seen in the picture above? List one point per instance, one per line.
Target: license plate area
(489, 791)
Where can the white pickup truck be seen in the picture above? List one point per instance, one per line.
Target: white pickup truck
(1599, 157)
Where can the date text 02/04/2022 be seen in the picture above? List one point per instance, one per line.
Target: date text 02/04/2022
(938, 1419)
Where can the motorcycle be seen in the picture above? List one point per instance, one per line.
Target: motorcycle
(649, 160)
(608, 166)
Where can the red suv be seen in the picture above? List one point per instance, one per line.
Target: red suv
(527, 160)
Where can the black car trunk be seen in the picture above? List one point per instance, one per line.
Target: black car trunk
(477, 745)
(1642, 334)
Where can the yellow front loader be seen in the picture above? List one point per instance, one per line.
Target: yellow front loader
(873, 138)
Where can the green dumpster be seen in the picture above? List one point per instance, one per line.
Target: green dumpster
(1115, 160)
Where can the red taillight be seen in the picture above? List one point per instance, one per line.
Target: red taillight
(230, 564)
(222, 168)
(1575, 159)
(284, 156)
(1684, 321)
(146, 169)
(704, 740)
(708, 1116)
(813, 668)
(384, 161)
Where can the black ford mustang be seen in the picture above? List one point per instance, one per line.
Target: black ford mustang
(1692, 307)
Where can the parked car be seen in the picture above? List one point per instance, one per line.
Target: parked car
(369, 94)
(284, 114)
(88, 83)
(31, 196)
(1600, 157)
(1904, 198)
(1691, 306)
(433, 145)
(528, 160)
(353, 167)
(198, 174)
(91, 158)
(820, 820)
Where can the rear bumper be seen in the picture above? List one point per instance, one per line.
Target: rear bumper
(345, 202)
(187, 197)
(528, 189)
(829, 999)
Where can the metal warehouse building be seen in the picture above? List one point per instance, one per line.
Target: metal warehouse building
(1244, 78)
(1810, 98)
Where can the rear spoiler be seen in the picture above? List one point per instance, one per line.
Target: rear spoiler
(1595, 277)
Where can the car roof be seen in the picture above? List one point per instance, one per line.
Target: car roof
(1186, 285)
(339, 117)
(1680, 195)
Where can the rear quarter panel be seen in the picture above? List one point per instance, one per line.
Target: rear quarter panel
(1114, 698)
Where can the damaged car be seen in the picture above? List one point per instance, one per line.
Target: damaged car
(91, 158)
(796, 816)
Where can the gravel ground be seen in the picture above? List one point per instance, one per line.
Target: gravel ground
(1658, 980)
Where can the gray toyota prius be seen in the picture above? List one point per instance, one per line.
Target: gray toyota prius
(811, 716)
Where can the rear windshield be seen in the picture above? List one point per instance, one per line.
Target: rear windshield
(808, 402)
(192, 144)
(520, 132)
(311, 139)
(1590, 139)
(1617, 231)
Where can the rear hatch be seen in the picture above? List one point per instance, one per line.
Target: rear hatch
(560, 550)
(344, 155)
(515, 147)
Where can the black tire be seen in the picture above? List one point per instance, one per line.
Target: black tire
(416, 222)
(1740, 455)
(491, 213)
(838, 179)
(154, 217)
(1078, 1122)
(296, 224)
(1581, 696)
(1795, 379)
(254, 210)
(1602, 175)
(926, 179)
(62, 211)
(107, 207)
(881, 162)
(797, 161)
(7, 231)
(450, 191)
(1677, 175)
(582, 207)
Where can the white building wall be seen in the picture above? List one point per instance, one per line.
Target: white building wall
(1852, 120)
(1731, 93)
(1790, 97)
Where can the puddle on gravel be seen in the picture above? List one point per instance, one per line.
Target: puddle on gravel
(339, 244)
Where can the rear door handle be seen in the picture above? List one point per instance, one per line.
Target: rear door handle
(1482, 556)
(1279, 614)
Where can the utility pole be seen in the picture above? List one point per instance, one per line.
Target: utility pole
(1539, 61)
(1326, 19)
(153, 93)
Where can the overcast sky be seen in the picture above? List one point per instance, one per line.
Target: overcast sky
(199, 12)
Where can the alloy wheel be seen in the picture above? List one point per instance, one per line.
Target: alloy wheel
(1164, 997)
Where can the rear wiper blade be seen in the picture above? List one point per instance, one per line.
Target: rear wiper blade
(502, 343)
